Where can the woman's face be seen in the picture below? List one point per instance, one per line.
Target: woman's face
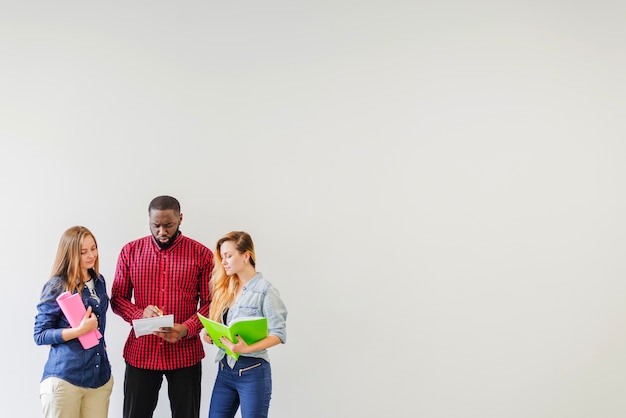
(232, 260)
(88, 254)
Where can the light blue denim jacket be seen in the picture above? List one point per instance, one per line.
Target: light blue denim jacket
(259, 298)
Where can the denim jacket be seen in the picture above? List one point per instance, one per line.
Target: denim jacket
(68, 360)
(259, 298)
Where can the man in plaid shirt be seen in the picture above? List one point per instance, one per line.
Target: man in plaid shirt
(160, 274)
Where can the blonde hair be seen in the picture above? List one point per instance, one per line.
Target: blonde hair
(67, 261)
(224, 287)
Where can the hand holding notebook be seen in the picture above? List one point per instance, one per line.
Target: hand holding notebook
(145, 326)
(72, 307)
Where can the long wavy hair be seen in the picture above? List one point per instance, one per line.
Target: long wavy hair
(224, 287)
(67, 261)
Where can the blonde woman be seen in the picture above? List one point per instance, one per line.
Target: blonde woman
(76, 382)
(238, 290)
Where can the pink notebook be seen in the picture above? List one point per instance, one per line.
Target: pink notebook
(74, 310)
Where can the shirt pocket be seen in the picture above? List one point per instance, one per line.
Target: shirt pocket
(249, 311)
(187, 290)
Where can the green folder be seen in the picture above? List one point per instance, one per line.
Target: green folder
(250, 329)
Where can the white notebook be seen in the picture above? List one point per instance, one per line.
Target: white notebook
(145, 326)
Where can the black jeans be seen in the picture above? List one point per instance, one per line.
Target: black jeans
(141, 391)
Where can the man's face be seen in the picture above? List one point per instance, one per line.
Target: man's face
(164, 224)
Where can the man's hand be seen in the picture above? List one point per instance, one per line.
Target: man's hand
(151, 311)
(172, 334)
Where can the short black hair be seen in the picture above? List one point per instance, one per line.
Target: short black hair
(164, 203)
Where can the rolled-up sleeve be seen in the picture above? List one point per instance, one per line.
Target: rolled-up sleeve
(276, 313)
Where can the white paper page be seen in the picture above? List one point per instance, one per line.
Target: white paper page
(145, 326)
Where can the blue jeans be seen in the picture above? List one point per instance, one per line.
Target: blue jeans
(248, 384)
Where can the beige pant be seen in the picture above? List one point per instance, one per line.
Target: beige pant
(61, 399)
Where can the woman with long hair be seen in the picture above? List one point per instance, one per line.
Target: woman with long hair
(76, 381)
(238, 290)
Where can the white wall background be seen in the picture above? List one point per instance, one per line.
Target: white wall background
(436, 188)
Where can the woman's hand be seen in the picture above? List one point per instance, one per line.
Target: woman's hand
(239, 347)
(207, 338)
(88, 323)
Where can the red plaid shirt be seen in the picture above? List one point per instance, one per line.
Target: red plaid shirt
(177, 281)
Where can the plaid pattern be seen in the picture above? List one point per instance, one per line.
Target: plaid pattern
(177, 281)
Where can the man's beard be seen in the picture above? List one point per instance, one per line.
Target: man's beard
(168, 244)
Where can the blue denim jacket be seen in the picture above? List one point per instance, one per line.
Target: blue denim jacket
(259, 298)
(68, 360)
